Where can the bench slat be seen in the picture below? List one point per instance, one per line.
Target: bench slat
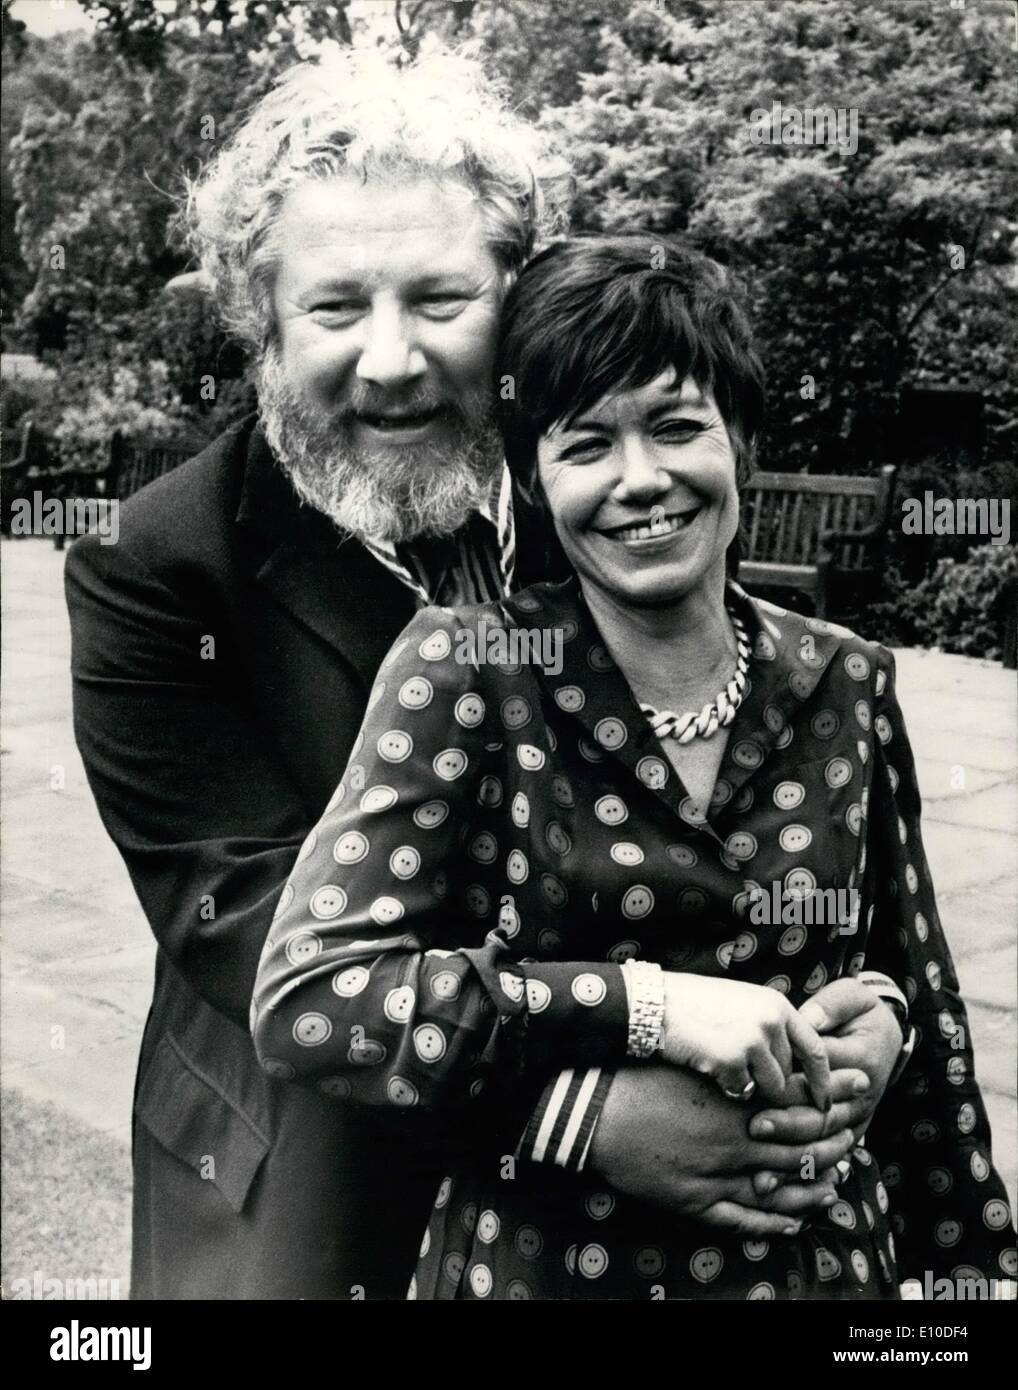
(790, 515)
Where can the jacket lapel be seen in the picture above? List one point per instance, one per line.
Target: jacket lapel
(325, 580)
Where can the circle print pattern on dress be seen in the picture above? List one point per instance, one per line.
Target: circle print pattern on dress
(469, 711)
(327, 902)
(377, 799)
(592, 1261)
(416, 693)
(431, 814)
(792, 941)
(793, 839)
(588, 989)
(429, 1042)
(747, 754)
(652, 772)
(529, 1242)
(398, 1005)
(649, 1261)
(637, 902)
(450, 764)
(557, 839)
(838, 772)
(512, 986)
(705, 1265)
(489, 793)
(515, 712)
(483, 848)
(282, 1071)
(312, 1029)
(395, 746)
(570, 698)
(445, 985)
(741, 846)
(385, 910)
(789, 795)
(349, 982)
(302, 947)
(436, 647)
(611, 810)
(477, 900)
(611, 733)
(404, 862)
(538, 996)
(351, 848)
(773, 718)
(517, 869)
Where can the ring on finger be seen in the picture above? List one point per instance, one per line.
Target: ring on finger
(745, 1094)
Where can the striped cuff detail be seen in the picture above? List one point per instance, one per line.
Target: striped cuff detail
(562, 1125)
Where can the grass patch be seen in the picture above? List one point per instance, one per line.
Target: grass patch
(66, 1198)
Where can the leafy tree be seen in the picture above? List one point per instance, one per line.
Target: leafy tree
(859, 263)
(869, 269)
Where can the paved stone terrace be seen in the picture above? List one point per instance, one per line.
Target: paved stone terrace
(77, 958)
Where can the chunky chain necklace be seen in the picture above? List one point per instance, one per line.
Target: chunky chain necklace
(718, 713)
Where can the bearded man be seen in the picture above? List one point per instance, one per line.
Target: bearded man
(358, 233)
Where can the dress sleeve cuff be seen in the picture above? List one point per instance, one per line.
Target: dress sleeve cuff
(562, 1126)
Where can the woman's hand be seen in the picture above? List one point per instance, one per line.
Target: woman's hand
(860, 1033)
(668, 1137)
(740, 1033)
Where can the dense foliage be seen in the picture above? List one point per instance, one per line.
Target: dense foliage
(883, 263)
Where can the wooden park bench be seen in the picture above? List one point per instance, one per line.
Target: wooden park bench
(804, 530)
(134, 462)
(37, 469)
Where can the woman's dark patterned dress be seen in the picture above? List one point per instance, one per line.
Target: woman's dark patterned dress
(505, 837)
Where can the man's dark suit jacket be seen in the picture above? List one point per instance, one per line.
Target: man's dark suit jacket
(223, 651)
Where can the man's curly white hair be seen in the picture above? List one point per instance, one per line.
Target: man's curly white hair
(440, 118)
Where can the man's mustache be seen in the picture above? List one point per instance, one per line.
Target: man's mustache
(379, 403)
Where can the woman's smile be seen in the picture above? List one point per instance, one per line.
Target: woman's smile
(654, 531)
(642, 491)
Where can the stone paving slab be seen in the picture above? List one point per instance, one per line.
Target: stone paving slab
(78, 955)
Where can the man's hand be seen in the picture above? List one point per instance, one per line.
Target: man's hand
(861, 1034)
(668, 1137)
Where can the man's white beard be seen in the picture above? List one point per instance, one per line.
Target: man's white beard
(395, 494)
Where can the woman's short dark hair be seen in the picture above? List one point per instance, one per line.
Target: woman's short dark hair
(600, 314)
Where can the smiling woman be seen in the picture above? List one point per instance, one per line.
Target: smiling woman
(572, 875)
(599, 316)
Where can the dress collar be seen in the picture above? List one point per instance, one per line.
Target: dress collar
(790, 655)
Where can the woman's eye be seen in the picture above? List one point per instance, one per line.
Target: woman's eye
(441, 306)
(678, 429)
(583, 451)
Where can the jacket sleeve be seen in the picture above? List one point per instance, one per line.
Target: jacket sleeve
(385, 975)
(930, 1134)
(186, 782)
